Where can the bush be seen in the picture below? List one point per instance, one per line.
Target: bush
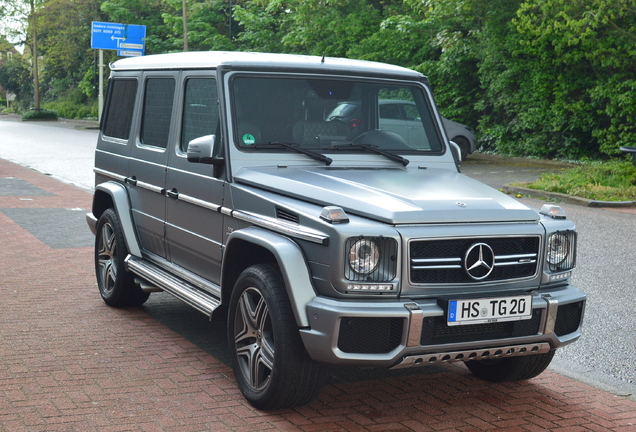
(41, 114)
(71, 110)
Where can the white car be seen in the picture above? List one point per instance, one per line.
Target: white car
(401, 117)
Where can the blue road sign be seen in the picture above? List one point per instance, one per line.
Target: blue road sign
(127, 39)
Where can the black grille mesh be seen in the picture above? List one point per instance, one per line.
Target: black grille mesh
(568, 318)
(456, 249)
(436, 331)
(370, 335)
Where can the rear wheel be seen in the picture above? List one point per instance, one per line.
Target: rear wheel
(510, 369)
(116, 285)
(463, 146)
(271, 365)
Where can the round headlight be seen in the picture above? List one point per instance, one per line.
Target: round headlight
(558, 248)
(364, 256)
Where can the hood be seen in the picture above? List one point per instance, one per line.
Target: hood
(392, 195)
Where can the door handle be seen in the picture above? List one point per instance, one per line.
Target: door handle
(173, 193)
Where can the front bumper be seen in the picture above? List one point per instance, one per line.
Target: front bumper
(414, 332)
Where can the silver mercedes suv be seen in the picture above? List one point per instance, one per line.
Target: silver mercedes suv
(222, 179)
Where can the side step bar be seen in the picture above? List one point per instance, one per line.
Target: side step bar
(181, 289)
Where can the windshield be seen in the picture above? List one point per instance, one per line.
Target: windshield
(329, 115)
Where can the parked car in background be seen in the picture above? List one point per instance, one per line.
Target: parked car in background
(461, 135)
(401, 117)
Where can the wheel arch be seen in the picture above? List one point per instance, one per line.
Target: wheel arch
(254, 245)
(114, 195)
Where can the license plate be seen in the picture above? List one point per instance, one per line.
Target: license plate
(489, 310)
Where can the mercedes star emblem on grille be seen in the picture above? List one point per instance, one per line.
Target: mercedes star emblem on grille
(479, 261)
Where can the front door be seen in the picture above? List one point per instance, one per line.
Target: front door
(194, 222)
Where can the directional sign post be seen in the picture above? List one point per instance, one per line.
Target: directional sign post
(129, 41)
(126, 38)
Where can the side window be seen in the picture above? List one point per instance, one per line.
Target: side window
(411, 112)
(119, 112)
(200, 110)
(390, 111)
(158, 100)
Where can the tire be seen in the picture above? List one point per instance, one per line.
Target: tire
(463, 146)
(116, 285)
(510, 369)
(271, 365)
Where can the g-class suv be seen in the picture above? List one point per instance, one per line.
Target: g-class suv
(222, 180)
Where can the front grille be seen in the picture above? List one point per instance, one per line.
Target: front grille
(435, 330)
(442, 261)
(568, 318)
(370, 335)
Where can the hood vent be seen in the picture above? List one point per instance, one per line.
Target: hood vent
(287, 216)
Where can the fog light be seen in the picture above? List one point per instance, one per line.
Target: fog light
(560, 276)
(370, 288)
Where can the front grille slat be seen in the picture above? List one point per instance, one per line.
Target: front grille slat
(441, 261)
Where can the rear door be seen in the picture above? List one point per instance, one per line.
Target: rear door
(149, 157)
(194, 223)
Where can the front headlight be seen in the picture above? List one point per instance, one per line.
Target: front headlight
(364, 256)
(561, 252)
(370, 259)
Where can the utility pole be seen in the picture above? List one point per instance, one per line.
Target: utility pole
(36, 80)
(185, 25)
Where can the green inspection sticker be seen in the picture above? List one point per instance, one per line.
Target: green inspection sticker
(248, 139)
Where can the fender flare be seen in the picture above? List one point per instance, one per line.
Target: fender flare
(291, 262)
(119, 196)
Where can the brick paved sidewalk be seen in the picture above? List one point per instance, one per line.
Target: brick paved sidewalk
(70, 363)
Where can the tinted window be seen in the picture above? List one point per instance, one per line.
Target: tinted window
(200, 110)
(330, 116)
(158, 100)
(121, 102)
(390, 111)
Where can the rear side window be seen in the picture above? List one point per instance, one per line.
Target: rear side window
(121, 103)
(200, 110)
(158, 100)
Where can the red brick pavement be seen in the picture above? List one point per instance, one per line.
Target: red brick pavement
(70, 363)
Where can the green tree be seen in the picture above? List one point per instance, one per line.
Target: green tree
(143, 12)
(15, 77)
(64, 33)
(589, 46)
(208, 25)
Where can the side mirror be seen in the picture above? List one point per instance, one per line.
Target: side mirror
(202, 150)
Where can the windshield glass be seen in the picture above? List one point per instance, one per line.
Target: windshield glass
(330, 115)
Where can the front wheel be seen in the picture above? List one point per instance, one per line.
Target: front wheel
(116, 285)
(271, 365)
(510, 369)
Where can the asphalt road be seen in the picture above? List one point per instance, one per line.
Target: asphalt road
(604, 356)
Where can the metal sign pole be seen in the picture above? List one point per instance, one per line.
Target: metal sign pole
(100, 102)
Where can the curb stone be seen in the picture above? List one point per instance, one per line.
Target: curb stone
(570, 199)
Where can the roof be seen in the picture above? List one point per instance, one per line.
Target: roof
(260, 61)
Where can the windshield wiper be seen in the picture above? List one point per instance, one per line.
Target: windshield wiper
(312, 154)
(374, 149)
